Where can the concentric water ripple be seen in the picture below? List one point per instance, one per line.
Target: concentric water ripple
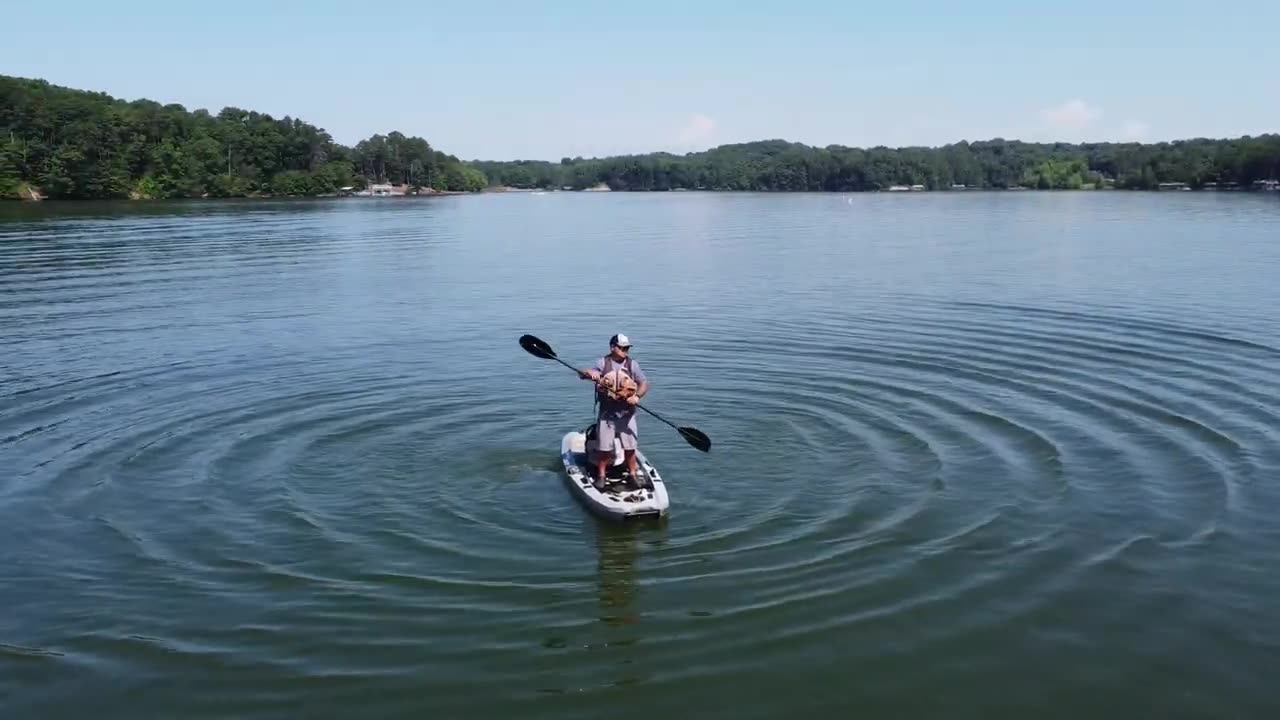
(263, 460)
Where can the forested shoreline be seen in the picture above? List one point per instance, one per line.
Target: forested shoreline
(75, 144)
(65, 143)
(778, 165)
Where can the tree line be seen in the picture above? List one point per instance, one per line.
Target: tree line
(78, 144)
(778, 165)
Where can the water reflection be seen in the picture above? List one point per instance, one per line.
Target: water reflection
(238, 208)
(619, 551)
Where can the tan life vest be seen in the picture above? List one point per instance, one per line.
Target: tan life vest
(616, 384)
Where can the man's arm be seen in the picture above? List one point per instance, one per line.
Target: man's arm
(641, 379)
(592, 373)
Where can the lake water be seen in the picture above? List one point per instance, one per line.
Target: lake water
(990, 453)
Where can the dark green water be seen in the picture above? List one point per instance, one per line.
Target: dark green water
(976, 455)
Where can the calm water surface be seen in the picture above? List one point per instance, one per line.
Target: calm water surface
(975, 454)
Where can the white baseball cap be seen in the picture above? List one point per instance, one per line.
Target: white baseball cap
(620, 340)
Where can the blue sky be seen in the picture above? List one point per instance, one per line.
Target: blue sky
(507, 80)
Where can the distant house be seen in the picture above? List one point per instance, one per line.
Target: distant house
(1267, 185)
(385, 190)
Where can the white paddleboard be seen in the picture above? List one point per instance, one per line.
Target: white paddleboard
(620, 499)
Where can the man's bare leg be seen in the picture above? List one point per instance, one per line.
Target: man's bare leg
(634, 468)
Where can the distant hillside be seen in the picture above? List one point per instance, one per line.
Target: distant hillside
(69, 143)
(77, 144)
(782, 165)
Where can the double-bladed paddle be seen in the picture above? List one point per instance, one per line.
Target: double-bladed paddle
(539, 348)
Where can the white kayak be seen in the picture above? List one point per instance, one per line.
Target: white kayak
(620, 499)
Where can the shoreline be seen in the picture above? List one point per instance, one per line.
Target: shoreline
(247, 154)
(33, 196)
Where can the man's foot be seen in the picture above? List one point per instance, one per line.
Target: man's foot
(599, 483)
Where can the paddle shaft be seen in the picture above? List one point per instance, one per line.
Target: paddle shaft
(539, 348)
(677, 427)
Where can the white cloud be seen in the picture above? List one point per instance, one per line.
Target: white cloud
(1134, 130)
(1071, 117)
(698, 129)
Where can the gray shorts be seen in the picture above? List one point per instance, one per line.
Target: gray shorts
(622, 428)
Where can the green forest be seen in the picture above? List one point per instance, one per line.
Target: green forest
(78, 145)
(778, 165)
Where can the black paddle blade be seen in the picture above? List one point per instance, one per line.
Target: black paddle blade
(696, 438)
(537, 347)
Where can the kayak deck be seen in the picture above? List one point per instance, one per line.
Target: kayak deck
(619, 499)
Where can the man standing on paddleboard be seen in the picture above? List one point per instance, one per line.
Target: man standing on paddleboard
(624, 384)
